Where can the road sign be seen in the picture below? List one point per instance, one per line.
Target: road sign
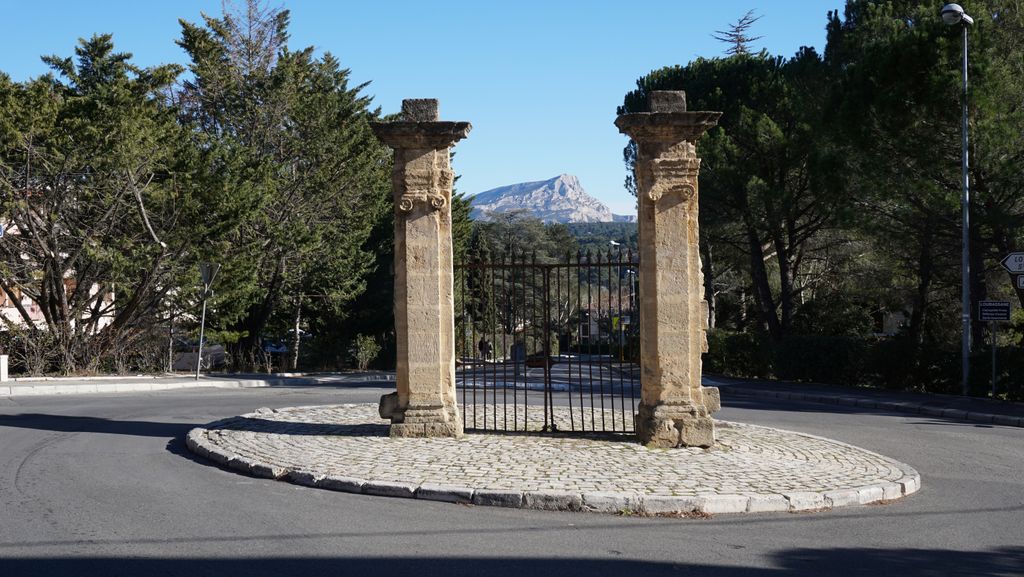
(2, 230)
(1014, 262)
(1020, 281)
(208, 271)
(994, 311)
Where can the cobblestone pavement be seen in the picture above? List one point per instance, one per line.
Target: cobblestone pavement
(751, 469)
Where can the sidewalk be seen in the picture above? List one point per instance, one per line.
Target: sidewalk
(947, 406)
(143, 383)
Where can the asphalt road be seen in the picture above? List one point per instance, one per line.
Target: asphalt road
(102, 485)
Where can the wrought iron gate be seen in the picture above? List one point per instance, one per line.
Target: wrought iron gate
(548, 346)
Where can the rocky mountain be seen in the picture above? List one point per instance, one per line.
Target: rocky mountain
(560, 199)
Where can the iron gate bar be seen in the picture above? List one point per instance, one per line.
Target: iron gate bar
(579, 347)
(549, 409)
(616, 333)
(558, 301)
(600, 368)
(504, 295)
(494, 323)
(590, 339)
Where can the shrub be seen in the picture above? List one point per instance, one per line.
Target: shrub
(822, 359)
(737, 354)
(364, 349)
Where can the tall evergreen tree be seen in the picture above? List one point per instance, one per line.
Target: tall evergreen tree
(320, 175)
(896, 111)
(97, 181)
(766, 191)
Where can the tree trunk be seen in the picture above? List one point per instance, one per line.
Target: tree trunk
(925, 272)
(787, 283)
(742, 324)
(762, 288)
(170, 344)
(249, 347)
(296, 340)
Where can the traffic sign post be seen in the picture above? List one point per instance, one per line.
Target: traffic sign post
(992, 335)
(1014, 262)
(993, 311)
(208, 271)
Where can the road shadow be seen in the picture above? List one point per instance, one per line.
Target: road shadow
(606, 436)
(334, 385)
(75, 424)
(758, 403)
(278, 427)
(740, 401)
(998, 562)
(324, 381)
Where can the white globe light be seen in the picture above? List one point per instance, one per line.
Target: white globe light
(953, 14)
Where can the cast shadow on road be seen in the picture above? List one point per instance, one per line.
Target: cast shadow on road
(380, 429)
(271, 426)
(73, 424)
(1005, 561)
(325, 384)
(795, 406)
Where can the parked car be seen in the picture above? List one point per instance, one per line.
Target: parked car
(537, 361)
(185, 351)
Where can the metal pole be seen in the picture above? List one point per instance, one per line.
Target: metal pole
(170, 344)
(965, 304)
(992, 335)
(202, 329)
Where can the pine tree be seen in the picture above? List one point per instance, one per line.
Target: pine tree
(737, 35)
(320, 178)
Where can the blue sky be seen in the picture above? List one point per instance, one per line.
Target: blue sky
(539, 80)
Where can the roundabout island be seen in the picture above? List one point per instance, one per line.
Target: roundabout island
(750, 469)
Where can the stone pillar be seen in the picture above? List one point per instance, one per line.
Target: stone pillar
(424, 300)
(675, 410)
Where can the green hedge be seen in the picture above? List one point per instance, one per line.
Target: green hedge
(823, 359)
(738, 354)
(892, 363)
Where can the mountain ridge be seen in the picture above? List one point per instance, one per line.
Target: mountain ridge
(561, 199)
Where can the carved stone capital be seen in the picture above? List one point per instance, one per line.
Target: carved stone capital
(686, 191)
(408, 201)
(445, 179)
(668, 176)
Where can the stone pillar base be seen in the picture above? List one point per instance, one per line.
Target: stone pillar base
(421, 422)
(666, 426)
(425, 430)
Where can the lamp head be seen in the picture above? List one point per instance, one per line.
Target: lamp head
(953, 14)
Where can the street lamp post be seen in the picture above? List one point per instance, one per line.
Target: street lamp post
(954, 15)
(208, 271)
